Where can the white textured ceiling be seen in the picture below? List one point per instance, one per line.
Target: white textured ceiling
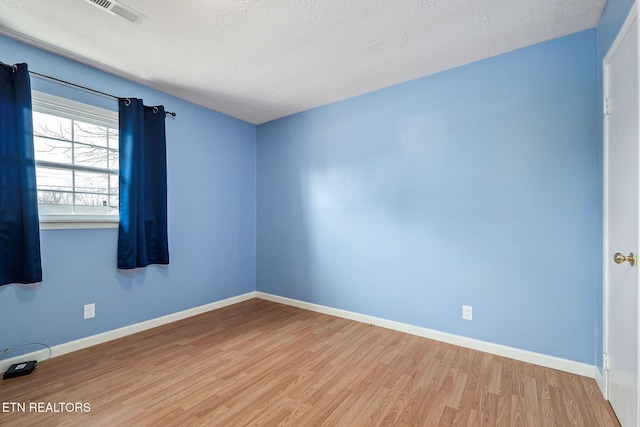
(259, 60)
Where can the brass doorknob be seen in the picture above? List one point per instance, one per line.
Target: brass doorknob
(619, 258)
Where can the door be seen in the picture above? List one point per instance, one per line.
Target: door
(621, 218)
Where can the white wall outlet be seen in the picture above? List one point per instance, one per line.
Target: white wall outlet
(89, 311)
(467, 312)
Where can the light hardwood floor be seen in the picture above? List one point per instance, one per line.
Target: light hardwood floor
(259, 363)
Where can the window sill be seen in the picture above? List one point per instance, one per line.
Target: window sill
(73, 223)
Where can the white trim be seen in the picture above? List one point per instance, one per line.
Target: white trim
(605, 229)
(601, 381)
(553, 362)
(68, 347)
(63, 107)
(487, 347)
(69, 223)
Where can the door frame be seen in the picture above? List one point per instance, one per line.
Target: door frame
(604, 383)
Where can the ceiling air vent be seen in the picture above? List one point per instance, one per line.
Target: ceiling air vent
(118, 9)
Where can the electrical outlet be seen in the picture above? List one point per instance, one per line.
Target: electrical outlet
(89, 311)
(467, 312)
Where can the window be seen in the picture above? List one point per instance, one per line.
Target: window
(76, 152)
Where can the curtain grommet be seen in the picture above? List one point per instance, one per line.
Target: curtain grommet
(155, 110)
(127, 102)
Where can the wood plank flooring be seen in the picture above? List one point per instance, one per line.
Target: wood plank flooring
(259, 363)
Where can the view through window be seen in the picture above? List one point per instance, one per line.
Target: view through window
(76, 152)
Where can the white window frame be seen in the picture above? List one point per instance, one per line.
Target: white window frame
(63, 107)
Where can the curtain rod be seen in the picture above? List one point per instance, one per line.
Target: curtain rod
(170, 113)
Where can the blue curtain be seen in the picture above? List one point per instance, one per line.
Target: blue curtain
(142, 237)
(19, 224)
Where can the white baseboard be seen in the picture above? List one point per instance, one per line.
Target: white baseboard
(553, 362)
(59, 350)
(601, 380)
(487, 347)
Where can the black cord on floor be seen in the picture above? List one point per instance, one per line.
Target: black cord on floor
(11, 350)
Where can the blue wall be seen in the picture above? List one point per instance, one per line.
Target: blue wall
(610, 23)
(211, 190)
(473, 186)
(480, 185)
